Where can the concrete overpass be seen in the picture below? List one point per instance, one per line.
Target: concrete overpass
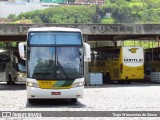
(91, 32)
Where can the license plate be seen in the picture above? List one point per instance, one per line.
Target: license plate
(55, 93)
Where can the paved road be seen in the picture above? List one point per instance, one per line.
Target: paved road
(113, 97)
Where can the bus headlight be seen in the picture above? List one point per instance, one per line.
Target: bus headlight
(30, 84)
(78, 84)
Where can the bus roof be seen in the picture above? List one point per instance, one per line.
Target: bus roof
(54, 29)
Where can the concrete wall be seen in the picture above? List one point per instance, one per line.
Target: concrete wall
(104, 43)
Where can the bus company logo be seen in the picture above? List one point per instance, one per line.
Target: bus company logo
(133, 50)
(133, 60)
(45, 82)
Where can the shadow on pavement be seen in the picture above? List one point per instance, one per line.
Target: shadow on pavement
(54, 103)
(16, 86)
(133, 84)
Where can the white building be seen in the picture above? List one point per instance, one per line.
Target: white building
(7, 8)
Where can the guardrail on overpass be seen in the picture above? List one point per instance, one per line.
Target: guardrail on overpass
(94, 32)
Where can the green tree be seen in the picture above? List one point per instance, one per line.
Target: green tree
(12, 17)
(144, 44)
(64, 14)
(107, 21)
(2, 45)
(122, 11)
(37, 20)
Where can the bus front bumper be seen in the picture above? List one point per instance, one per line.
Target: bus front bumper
(38, 93)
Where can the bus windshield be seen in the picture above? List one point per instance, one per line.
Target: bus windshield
(55, 55)
(55, 62)
(4, 57)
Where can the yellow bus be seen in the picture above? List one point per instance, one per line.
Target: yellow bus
(152, 59)
(152, 64)
(122, 64)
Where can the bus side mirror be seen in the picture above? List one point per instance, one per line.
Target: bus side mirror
(15, 62)
(87, 52)
(21, 47)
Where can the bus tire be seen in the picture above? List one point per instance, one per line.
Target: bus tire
(10, 80)
(121, 82)
(108, 78)
(73, 100)
(8, 83)
(128, 82)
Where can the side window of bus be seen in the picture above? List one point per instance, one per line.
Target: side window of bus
(94, 55)
(107, 55)
(2, 66)
(116, 54)
(150, 56)
(157, 56)
(101, 56)
(154, 56)
(146, 56)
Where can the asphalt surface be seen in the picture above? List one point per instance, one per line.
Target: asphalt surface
(112, 97)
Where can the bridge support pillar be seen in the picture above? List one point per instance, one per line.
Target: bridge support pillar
(86, 65)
